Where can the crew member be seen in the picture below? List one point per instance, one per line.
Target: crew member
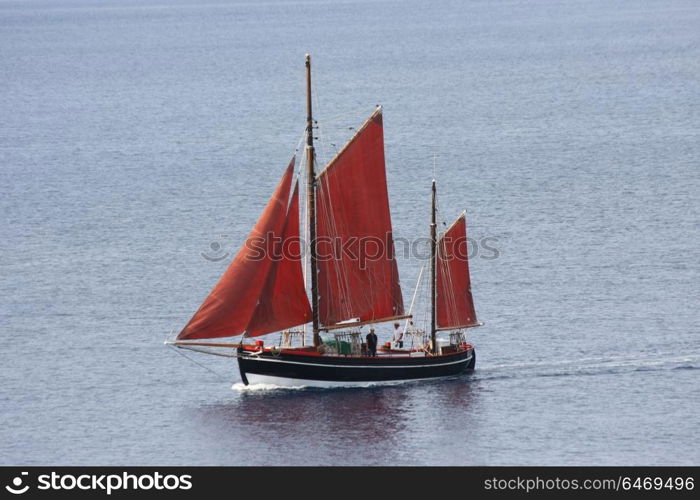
(398, 336)
(372, 342)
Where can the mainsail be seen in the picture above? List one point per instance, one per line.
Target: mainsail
(251, 283)
(357, 273)
(454, 304)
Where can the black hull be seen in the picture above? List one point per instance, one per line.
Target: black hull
(289, 366)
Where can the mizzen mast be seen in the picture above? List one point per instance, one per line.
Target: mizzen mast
(311, 201)
(433, 278)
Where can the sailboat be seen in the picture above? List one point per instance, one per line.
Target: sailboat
(264, 290)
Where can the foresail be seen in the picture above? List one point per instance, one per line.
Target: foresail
(283, 302)
(358, 275)
(454, 303)
(230, 305)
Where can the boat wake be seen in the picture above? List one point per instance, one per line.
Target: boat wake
(591, 366)
(241, 387)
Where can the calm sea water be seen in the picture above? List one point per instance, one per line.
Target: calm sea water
(134, 135)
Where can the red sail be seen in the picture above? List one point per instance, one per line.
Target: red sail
(455, 307)
(230, 305)
(358, 276)
(283, 302)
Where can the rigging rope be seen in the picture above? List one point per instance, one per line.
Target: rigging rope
(200, 364)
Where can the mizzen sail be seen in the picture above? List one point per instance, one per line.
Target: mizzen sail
(357, 271)
(228, 309)
(454, 303)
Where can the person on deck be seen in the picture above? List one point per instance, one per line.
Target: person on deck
(372, 342)
(398, 336)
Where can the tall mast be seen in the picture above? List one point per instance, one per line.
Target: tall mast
(311, 200)
(433, 257)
